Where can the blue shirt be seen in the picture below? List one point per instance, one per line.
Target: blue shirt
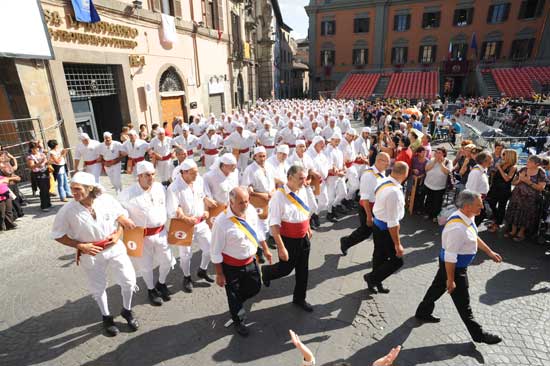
(457, 127)
(417, 126)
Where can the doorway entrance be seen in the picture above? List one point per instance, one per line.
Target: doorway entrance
(172, 98)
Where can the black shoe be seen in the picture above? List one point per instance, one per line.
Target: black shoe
(163, 291)
(187, 284)
(316, 220)
(313, 224)
(382, 289)
(427, 318)
(304, 306)
(109, 326)
(331, 217)
(271, 242)
(154, 297)
(343, 246)
(241, 329)
(129, 316)
(488, 338)
(371, 286)
(201, 273)
(265, 280)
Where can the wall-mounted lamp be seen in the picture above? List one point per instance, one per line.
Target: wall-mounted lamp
(137, 4)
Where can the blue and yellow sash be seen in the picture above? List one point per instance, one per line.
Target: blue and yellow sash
(459, 219)
(378, 175)
(243, 226)
(297, 201)
(383, 186)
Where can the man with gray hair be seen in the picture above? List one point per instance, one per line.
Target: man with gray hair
(460, 241)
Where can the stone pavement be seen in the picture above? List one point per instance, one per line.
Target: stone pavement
(48, 318)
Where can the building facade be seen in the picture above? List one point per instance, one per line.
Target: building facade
(401, 35)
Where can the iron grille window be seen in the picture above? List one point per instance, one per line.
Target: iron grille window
(88, 80)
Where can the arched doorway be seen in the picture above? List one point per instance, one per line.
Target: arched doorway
(240, 91)
(172, 97)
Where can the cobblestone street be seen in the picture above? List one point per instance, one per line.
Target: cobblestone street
(49, 319)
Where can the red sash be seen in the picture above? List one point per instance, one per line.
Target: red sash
(348, 164)
(294, 230)
(167, 157)
(242, 151)
(137, 160)
(269, 146)
(150, 231)
(190, 152)
(110, 161)
(359, 161)
(291, 146)
(211, 151)
(101, 243)
(229, 260)
(91, 162)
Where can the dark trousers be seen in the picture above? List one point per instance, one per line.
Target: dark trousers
(363, 232)
(6, 215)
(384, 260)
(17, 208)
(434, 202)
(298, 259)
(460, 296)
(482, 215)
(498, 205)
(43, 182)
(241, 283)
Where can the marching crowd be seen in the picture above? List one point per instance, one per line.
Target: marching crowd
(269, 173)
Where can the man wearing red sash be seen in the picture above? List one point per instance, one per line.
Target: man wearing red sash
(289, 215)
(236, 237)
(135, 149)
(145, 202)
(162, 152)
(87, 151)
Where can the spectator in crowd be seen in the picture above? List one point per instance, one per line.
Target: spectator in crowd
(56, 157)
(7, 221)
(405, 152)
(501, 186)
(522, 214)
(37, 162)
(143, 134)
(8, 167)
(438, 172)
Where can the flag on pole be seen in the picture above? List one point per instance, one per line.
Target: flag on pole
(473, 43)
(84, 11)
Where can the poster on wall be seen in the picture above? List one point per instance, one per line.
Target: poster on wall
(24, 21)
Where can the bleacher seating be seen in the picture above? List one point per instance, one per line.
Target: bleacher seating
(358, 86)
(518, 82)
(413, 85)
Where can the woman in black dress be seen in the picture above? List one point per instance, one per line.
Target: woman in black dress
(501, 186)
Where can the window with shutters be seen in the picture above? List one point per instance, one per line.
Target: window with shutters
(498, 13)
(360, 56)
(431, 20)
(361, 25)
(463, 17)
(531, 9)
(328, 57)
(427, 54)
(238, 46)
(399, 55)
(401, 22)
(169, 7)
(212, 13)
(521, 49)
(490, 50)
(328, 28)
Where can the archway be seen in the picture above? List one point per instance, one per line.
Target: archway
(172, 97)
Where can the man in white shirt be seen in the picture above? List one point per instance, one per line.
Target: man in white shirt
(266, 138)
(136, 149)
(336, 185)
(478, 180)
(236, 237)
(388, 210)
(87, 151)
(278, 164)
(111, 154)
(186, 141)
(177, 128)
(222, 177)
(240, 141)
(185, 200)
(145, 202)
(347, 146)
(161, 151)
(289, 135)
(210, 143)
(362, 149)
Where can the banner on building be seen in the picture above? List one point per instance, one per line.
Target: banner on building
(84, 11)
(23, 29)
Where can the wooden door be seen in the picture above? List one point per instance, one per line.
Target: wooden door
(172, 107)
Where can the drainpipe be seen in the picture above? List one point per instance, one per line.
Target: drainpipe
(195, 48)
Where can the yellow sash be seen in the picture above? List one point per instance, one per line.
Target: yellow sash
(294, 202)
(244, 230)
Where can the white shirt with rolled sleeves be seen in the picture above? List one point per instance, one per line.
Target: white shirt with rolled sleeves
(163, 147)
(228, 239)
(238, 141)
(214, 142)
(87, 152)
(478, 181)
(282, 209)
(459, 239)
(146, 208)
(186, 143)
(289, 135)
(278, 169)
(189, 199)
(260, 179)
(178, 130)
(389, 205)
(137, 149)
(218, 185)
(305, 161)
(110, 152)
(369, 181)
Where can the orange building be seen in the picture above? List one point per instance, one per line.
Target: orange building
(460, 39)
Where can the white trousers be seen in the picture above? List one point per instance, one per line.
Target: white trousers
(352, 183)
(242, 162)
(322, 199)
(94, 169)
(113, 172)
(156, 251)
(336, 191)
(115, 260)
(201, 236)
(164, 170)
(209, 160)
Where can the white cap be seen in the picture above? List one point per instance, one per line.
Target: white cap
(268, 122)
(83, 136)
(336, 135)
(300, 142)
(351, 131)
(132, 132)
(185, 127)
(86, 179)
(316, 140)
(238, 125)
(366, 129)
(210, 128)
(228, 159)
(259, 149)
(107, 134)
(283, 149)
(188, 164)
(161, 130)
(144, 167)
